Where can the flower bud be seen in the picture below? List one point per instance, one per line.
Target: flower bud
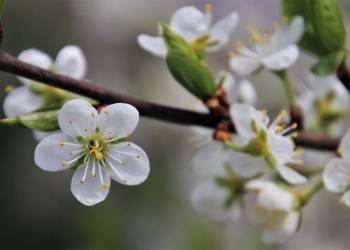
(191, 74)
(325, 33)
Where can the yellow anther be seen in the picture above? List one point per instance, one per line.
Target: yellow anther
(138, 156)
(340, 150)
(264, 111)
(105, 186)
(299, 162)
(129, 133)
(237, 46)
(8, 89)
(294, 126)
(208, 7)
(96, 150)
(61, 144)
(298, 151)
(279, 128)
(294, 135)
(63, 163)
(92, 114)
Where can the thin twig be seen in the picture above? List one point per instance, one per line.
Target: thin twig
(86, 88)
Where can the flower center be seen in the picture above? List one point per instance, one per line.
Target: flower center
(96, 149)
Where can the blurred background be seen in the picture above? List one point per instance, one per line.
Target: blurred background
(37, 210)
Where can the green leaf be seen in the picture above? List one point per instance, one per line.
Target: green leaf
(324, 32)
(191, 73)
(328, 64)
(45, 121)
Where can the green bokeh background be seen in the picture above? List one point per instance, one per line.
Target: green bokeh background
(37, 210)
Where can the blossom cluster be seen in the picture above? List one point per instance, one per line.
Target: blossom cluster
(248, 163)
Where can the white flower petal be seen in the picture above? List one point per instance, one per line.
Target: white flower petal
(229, 85)
(189, 22)
(90, 191)
(336, 175)
(78, 118)
(221, 31)
(118, 120)
(247, 166)
(55, 152)
(274, 198)
(281, 147)
(243, 115)
(209, 199)
(244, 65)
(345, 147)
(154, 45)
(21, 101)
(39, 135)
(290, 175)
(345, 199)
(209, 160)
(282, 234)
(296, 29)
(281, 59)
(246, 92)
(71, 61)
(259, 184)
(36, 58)
(128, 163)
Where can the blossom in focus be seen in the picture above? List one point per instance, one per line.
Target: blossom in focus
(274, 211)
(263, 145)
(336, 175)
(324, 103)
(274, 52)
(94, 146)
(196, 28)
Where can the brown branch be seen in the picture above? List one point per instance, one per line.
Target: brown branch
(86, 88)
(344, 75)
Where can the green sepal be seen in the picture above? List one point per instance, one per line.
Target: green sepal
(328, 64)
(174, 41)
(45, 121)
(192, 74)
(325, 31)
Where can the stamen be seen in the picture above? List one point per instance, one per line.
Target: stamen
(288, 129)
(340, 150)
(103, 184)
(280, 118)
(124, 153)
(85, 172)
(298, 151)
(93, 172)
(257, 36)
(67, 163)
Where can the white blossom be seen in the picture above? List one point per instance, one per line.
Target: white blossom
(336, 175)
(266, 145)
(274, 211)
(70, 61)
(192, 24)
(274, 52)
(93, 145)
(324, 102)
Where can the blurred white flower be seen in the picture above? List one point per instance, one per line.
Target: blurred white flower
(193, 25)
(274, 52)
(274, 211)
(94, 146)
(325, 101)
(265, 145)
(70, 61)
(336, 175)
(219, 192)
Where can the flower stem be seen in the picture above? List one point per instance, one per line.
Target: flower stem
(283, 76)
(307, 192)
